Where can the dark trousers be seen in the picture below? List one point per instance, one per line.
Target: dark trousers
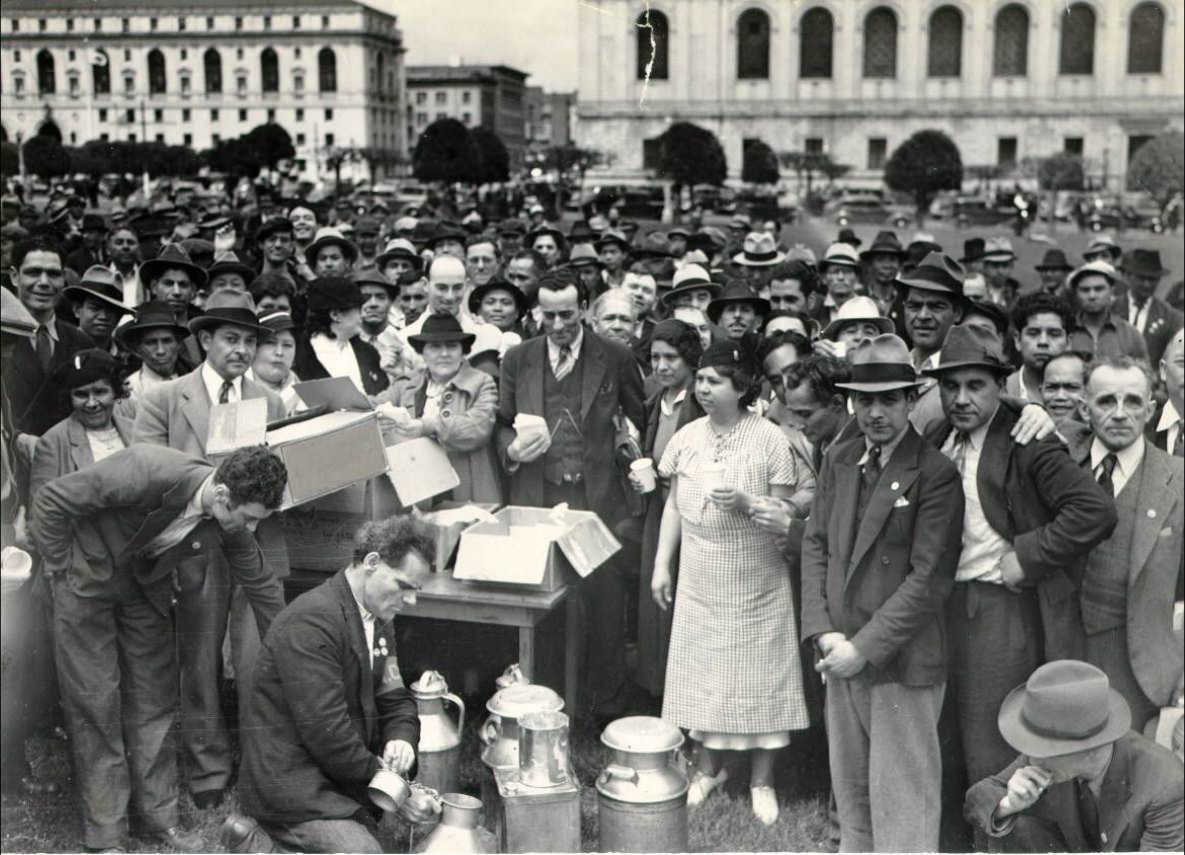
(118, 678)
(602, 613)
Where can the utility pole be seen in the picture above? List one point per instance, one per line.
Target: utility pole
(144, 138)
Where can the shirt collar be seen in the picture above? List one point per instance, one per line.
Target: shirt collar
(322, 340)
(662, 402)
(51, 326)
(1127, 460)
(213, 381)
(977, 436)
(554, 352)
(1108, 322)
(193, 507)
(887, 448)
(1168, 417)
(363, 612)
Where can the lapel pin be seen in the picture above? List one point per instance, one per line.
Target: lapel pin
(894, 486)
(1151, 513)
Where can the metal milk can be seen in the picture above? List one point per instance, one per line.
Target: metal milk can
(499, 734)
(458, 830)
(543, 749)
(440, 740)
(642, 792)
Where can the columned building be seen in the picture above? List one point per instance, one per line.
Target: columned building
(194, 72)
(1007, 79)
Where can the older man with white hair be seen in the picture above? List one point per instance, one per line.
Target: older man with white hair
(614, 316)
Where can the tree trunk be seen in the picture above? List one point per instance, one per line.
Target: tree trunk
(921, 211)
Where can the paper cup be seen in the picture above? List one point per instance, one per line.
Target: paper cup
(713, 476)
(643, 468)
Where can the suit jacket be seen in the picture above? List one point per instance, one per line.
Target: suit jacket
(374, 378)
(64, 449)
(1050, 510)
(177, 414)
(37, 403)
(319, 713)
(82, 259)
(1163, 322)
(1158, 438)
(1140, 804)
(1156, 568)
(96, 522)
(611, 383)
(882, 580)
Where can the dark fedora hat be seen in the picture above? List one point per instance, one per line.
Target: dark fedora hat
(172, 257)
(273, 226)
(152, 315)
(994, 312)
(479, 293)
(885, 243)
(849, 237)
(1064, 707)
(970, 346)
(374, 276)
(333, 294)
(99, 282)
(440, 328)
(972, 249)
(511, 226)
(329, 236)
(613, 238)
(1142, 262)
(881, 364)
(1054, 259)
(558, 236)
(225, 307)
(709, 239)
(228, 262)
(736, 291)
(445, 230)
(654, 245)
(917, 251)
(935, 272)
(93, 223)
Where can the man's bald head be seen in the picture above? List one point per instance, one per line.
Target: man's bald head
(446, 285)
(446, 268)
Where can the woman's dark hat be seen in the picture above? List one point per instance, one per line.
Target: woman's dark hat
(172, 257)
(736, 291)
(86, 366)
(1064, 707)
(333, 294)
(152, 315)
(440, 328)
(478, 294)
(277, 322)
(970, 346)
(227, 307)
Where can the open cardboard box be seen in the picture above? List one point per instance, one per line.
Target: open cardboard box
(540, 548)
(449, 535)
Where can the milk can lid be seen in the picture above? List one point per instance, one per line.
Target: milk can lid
(514, 701)
(642, 734)
(430, 683)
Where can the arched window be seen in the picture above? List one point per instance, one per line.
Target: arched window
(269, 67)
(1010, 57)
(212, 61)
(816, 32)
(753, 45)
(1077, 49)
(46, 84)
(880, 43)
(1145, 39)
(156, 72)
(946, 43)
(327, 69)
(653, 36)
(101, 73)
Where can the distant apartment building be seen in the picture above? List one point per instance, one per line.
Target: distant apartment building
(489, 96)
(549, 117)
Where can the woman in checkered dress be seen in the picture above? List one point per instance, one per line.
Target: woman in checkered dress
(733, 677)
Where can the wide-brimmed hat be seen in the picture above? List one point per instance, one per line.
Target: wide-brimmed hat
(849, 237)
(654, 245)
(228, 262)
(997, 313)
(881, 364)
(998, 249)
(680, 231)
(172, 257)
(972, 250)
(440, 328)
(478, 294)
(1103, 244)
(709, 239)
(152, 315)
(740, 221)
(93, 223)
(1064, 707)
(374, 276)
(1143, 262)
(333, 293)
(759, 250)
(970, 346)
(840, 255)
(613, 237)
(1099, 268)
(397, 248)
(918, 250)
(936, 272)
(558, 236)
(445, 231)
(15, 319)
(885, 243)
(857, 309)
(273, 226)
(227, 307)
(736, 291)
(1054, 259)
(99, 282)
(329, 236)
(583, 255)
(84, 367)
(512, 226)
(213, 222)
(688, 278)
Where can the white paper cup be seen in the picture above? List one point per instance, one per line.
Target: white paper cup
(713, 476)
(643, 469)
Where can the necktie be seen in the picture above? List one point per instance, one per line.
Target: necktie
(224, 392)
(1089, 807)
(565, 364)
(1106, 470)
(44, 347)
(958, 452)
(872, 470)
(1178, 449)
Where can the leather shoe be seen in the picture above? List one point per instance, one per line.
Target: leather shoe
(180, 840)
(242, 834)
(206, 799)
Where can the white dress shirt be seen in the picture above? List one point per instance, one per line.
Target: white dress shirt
(337, 357)
(983, 546)
(553, 350)
(1170, 425)
(213, 381)
(1127, 461)
(187, 521)
(367, 628)
(1137, 316)
(144, 379)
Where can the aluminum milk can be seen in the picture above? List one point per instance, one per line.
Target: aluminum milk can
(543, 749)
(458, 830)
(642, 792)
(440, 740)
(499, 734)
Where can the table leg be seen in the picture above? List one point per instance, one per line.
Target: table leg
(526, 651)
(571, 652)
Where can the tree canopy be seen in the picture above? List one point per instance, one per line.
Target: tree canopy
(690, 155)
(46, 157)
(1062, 171)
(1159, 167)
(495, 159)
(447, 152)
(271, 144)
(923, 165)
(760, 165)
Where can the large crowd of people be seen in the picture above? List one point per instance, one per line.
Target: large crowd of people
(914, 503)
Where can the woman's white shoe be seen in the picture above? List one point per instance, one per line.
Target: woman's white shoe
(702, 785)
(765, 804)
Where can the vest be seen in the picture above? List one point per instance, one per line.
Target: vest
(1104, 584)
(565, 457)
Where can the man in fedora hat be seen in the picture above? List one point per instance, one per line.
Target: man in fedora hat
(933, 301)
(858, 320)
(1097, 330)
(378, 302)
(1084, 781)
(878, 557)
(587, 263)
(154, 337)
(758, 257)
(399, 256)
(510, 236)
(1103, 248)
(1053, 270)
(366, 237)
(330, 253)
(447, 239)
(883, 260)
(1031, 514)
(96, 303)
(1166, 430)
(1152, 317)
(972, 259)
(1127, 580)
(840, 270)
(998, 262)
(227, 273)
(692, 287)
(614, 249)
(738, 310)
(177, 414)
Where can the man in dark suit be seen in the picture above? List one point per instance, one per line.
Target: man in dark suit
(1084, 782)
(1031, 514)
(1166, 428)
(116, 539)
(1155, 319)
(1130, 579)
(578, 383)
(177, 414)
(39, 276)
(878, 558)
(327, 708)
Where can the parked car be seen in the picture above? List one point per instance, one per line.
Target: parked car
(977, 211)
(867, 208)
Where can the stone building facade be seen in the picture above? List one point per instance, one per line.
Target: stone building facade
(490, 96)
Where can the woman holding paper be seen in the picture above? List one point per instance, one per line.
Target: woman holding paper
(733, 676)
(455, 405)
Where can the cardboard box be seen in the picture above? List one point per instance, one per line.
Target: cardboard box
(318, 540)
(540, 548)
(449, 535)
(327, 453)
